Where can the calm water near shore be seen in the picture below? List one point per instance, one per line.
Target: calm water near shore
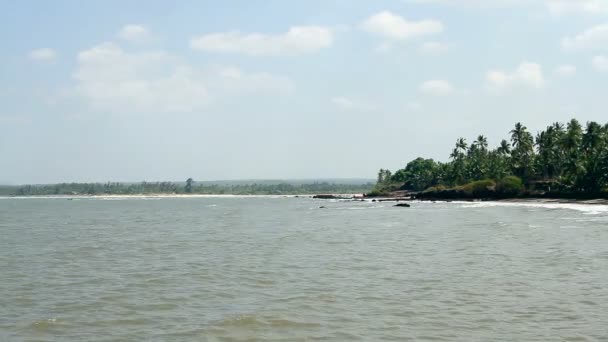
(236, 269)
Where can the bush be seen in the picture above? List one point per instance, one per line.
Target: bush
(377, 193)
(510, 185)
(480, 188)
(437, 188)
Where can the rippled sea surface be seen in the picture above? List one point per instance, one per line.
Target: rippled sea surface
(245, 269)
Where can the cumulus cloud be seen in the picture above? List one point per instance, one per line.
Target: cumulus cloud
(297, 40)
(527, 74)
(110, 78)
(555, 7)
(565, 70)
(600, 63)
(473, 3)
(392, 26)
(562, 7)
(231, 80)
(593, 38)
(436, 87)
(42, 54)
(134, 33)
(433, 48)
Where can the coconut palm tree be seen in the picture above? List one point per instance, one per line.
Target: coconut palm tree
(458, 161)
(523, 151)
(571, 146)
(504, 149)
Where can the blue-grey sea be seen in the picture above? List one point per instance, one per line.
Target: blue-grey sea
(283, 269)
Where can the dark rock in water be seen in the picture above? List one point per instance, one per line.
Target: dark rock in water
(373, 200)
(329, 197)
(322, 207)
(403, 205)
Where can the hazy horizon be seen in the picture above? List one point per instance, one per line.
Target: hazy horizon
(265, 90)
(223, 181)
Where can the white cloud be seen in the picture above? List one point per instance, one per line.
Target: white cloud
(43, 54)
(600, 63)
(565, 70)
(474, 3)
(393, 26)
(134, 33)
(297, 40)
(555, 7)
(433, 48)
(437, 87)
(527, 74)
(562, 7)
(110, 78)
(595, 37)
(348, 104)
(231, 79)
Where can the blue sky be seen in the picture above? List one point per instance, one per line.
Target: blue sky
(156, 90)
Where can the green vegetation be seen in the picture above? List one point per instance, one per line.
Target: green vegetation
(189, 187)
(563, 161)
(510, 185)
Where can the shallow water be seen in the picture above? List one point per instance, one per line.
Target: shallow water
(236, 269)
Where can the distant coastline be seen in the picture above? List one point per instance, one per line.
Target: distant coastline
(187, 188)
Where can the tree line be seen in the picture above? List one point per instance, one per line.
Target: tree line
(562, 158)
(189, 187)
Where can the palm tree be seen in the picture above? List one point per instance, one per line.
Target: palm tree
(520, 137)
(592, 137)
(461, 145)
(504, 149)
(458, 161)
(593, 146)
(571, 145)
(478, 158)
(482, 142)
(523, 151)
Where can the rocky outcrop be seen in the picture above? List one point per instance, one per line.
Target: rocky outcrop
(330, 197)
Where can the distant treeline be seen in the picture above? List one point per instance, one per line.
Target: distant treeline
(565, 160)
(189, 187)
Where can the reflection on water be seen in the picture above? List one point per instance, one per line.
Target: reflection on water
(233, 269)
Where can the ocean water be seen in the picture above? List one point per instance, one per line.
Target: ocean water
(283, 269)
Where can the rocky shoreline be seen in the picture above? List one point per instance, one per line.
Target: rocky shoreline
(404, 196)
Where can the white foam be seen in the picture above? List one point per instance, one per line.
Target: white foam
(592, 209)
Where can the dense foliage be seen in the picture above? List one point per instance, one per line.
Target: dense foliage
(560, 159)
(189, 187)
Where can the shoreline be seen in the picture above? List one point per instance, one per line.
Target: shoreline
(337, 197)
(598, 201)
(101, 196)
